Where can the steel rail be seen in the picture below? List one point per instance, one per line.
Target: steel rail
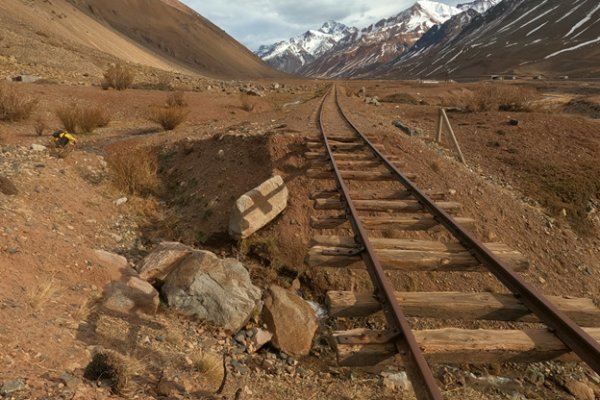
(557, 321)
(385, 289)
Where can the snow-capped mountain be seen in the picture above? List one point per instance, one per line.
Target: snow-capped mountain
(480, 6)
(526, 37)
(291, 55)
(379, 43)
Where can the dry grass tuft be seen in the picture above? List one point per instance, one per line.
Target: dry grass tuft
(247, 102)
(264, 247)
(40, 126)
(118, 76)
(176, 99)
(134, 171)
(14, 106)
(42, 293)
(174, 338)
(82, 119)
(168, 117)
(207, 364)
(111, 366)
(500, 97)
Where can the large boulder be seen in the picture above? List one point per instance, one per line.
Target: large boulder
(258, 207)
(158, 264)
(213, 289)
(131, 296)
(291, 320)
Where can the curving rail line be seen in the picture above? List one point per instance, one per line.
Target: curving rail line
(574, 337)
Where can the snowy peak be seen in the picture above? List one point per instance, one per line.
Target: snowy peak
(480, 6)
(332, 28)
(290, 55)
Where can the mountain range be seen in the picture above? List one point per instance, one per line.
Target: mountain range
(519, 37)
(349, 51)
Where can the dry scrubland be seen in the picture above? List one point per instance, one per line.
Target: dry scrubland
(182, 156)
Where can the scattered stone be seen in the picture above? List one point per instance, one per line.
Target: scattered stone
(70, 381)
(397, 382)
(580, 390)
(259, 338)
(7, 187)
(121, 201)
(135, 295)
(158, 264)
(258, 207)
(452, 192)
(406, 129)
(239, 367)
(291, 320)
(213, 289)
(513, 122)
(9, 387)
(37, 147)
(221, 154)
(25, 78)
(113, 262)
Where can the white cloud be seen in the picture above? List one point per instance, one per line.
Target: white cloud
(256, 22)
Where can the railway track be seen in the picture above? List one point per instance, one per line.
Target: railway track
(365, 193)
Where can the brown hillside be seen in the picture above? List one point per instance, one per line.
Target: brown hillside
(173, 30)
(76, 37)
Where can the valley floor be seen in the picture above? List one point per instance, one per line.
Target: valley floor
(533, 186)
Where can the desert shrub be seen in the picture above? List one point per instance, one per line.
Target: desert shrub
(111, 366)
(176, 99)
(500, 98)
(247, 102)
(90, 118)
(82, 119)
(134, 171)
(168, 117)
(68, 116)
(40, 126)
(118, 76)
(14, 106)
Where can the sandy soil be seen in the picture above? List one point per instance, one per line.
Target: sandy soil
(65, 209)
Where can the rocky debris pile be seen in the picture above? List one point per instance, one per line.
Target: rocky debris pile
(252, 91)
(258, 207)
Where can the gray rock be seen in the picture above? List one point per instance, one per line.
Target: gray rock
(213, 289)
(37, 147)
(121, 201)
(133, 296)
(158, 264)
(9, 387)
(397, 381)
(291, 320)
(258, 207)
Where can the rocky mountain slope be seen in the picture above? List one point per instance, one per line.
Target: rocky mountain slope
(516, 37)
(290, 55)
(82, 36)
(361, 52)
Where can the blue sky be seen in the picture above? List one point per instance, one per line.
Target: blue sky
(256, 22)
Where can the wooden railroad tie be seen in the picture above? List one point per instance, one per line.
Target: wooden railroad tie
(375, 194)
(362, 347)
(322, 156)
(356, 175)
(410, 260)
(408, 222)
(460, 306)
(409, 206)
